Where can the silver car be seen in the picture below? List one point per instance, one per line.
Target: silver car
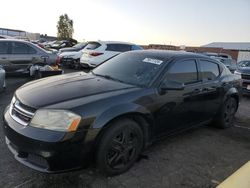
(2, 78)
(17, 56)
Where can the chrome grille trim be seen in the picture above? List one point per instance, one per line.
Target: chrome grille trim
(15, 107)
(22, 110)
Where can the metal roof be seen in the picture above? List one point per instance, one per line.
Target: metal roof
(229, 45)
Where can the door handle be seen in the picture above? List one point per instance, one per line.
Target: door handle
(3, 58)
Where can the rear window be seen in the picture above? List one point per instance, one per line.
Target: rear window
(118, 47)
(92, 45)
(135, 47)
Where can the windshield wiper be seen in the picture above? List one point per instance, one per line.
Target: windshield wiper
(108, 77)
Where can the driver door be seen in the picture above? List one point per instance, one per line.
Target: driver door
(180, 108)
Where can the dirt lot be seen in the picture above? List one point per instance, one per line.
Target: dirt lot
(201, 157)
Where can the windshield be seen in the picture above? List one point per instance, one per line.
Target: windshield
(80, 45)
(58, 42)
(244, 64)
(225, 61)
(132, 68)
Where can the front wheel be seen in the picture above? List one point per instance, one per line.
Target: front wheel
(119, 147)
(225, 118)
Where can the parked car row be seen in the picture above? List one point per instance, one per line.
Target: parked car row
(95, 52)
(18, 56)
(243, 69)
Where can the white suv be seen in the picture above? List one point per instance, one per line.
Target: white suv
(97, 52)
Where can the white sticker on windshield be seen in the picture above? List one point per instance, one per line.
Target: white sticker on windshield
(153, 61)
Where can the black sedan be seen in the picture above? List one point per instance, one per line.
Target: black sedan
(243, 70)
(113, 113)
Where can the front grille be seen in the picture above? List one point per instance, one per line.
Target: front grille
(245, 76)
(21, 113)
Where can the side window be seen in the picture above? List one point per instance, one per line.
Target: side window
(183, 72)
(118, 47)
(209, 70)
(20, 48)
(32, 50)
(3, 48)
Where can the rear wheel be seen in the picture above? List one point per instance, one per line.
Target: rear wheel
(225, 118)
(119, 147)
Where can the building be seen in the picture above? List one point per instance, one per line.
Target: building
(238, 50)
(243, 46)
(12, 32)
(19, 34)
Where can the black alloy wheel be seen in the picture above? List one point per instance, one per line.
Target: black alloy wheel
(225, 117)
(229, 111)
(119, 147)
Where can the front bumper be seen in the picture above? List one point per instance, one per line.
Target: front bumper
(68, 61)
(45, 150)
(245, 84)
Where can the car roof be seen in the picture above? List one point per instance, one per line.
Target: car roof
(169, 53)
(15, 40)
(112, 42)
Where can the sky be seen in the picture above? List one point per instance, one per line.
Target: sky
(175, 22)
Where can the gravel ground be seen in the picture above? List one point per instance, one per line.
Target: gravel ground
(201, 157)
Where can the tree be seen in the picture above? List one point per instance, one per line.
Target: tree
(65, 28)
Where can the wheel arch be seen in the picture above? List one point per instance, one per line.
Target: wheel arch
(232, 92)
(144, 120)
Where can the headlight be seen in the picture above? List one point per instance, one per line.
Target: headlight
(236, 72)
(57, 120)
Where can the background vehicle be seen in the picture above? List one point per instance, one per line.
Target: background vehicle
(2, 78)
(115, 111)
(243, 70)
(71, 56)
(71, 59)
(62, 44)
(225, 59)
(74, 48)
(97, 52)
(17, 56)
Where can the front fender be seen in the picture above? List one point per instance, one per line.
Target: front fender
(118, 110)
(230, 92)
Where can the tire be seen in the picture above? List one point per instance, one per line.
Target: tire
(119, 147)
(225, 117)
(76, 64)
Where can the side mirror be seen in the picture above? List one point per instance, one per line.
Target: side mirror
(172, 85)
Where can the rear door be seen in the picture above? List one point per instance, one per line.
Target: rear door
(22, 55)
(4, 55)
(211, 87)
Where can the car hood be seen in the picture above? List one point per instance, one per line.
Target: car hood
(244, 70)
(56, 89)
